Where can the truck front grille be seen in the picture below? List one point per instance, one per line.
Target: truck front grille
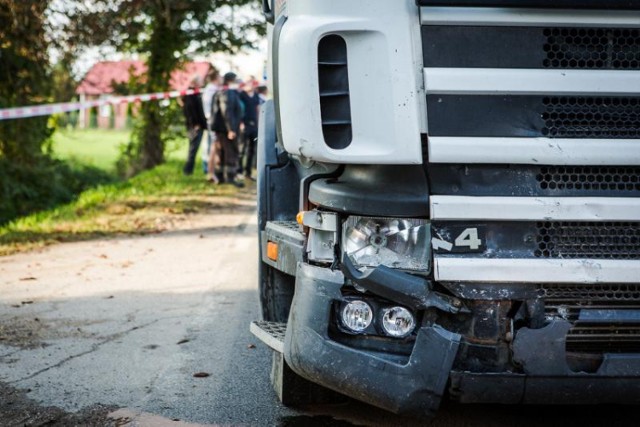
(566, 301)
(591, 117)
(599, 178)
(606, 240)
(592, 48)
(586, 294)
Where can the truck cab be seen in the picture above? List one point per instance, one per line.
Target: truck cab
(449, 201)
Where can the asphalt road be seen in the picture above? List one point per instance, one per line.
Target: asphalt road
(126, 323)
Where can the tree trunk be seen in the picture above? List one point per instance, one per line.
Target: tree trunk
(160, 64)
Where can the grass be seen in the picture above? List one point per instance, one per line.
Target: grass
(94, 147)
(141, 205)
(101, 148)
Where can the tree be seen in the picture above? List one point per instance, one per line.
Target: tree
(164, 31)
(24, 77)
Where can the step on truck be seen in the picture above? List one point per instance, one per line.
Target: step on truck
(449, 201)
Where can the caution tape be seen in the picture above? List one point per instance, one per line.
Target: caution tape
(48, 109)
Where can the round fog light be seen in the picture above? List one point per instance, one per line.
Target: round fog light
(357, 316)
(398, 322)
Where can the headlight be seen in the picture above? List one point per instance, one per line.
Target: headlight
(393, 242)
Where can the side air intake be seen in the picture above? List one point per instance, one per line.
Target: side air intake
(335, 105)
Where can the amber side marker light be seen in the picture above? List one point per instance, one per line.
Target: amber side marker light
(272, 251)
(300, 217)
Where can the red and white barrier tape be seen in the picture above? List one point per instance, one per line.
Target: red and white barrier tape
(48, 109)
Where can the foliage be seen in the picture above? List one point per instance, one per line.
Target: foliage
(25, 189)
(147, 203)
(24, 78)
(164, 31)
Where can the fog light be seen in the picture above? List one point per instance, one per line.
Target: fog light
(357, 316)
(398, 322)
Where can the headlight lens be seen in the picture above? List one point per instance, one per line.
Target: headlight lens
(357, 316)
(398, 322)
(393, 242)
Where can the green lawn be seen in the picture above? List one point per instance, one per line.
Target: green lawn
(95, 147)
(101, 148)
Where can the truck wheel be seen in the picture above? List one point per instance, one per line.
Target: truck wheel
(276, 293)
(278, 192)
(293, 390)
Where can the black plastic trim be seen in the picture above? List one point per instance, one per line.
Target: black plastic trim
(591, 48)
(534, 116)
(335, 102)
(376, 190)
(531, 180)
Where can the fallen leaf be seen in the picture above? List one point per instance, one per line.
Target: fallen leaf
(27, 302)
(184, 341)
(251, 346)
(201, 375)
(109, 297)
(103, 256)
(26, 279)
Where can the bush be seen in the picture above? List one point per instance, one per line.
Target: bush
(43, 184)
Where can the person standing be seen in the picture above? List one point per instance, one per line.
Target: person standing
(227, 117)
(208, 157)
(195, 121)
(251, 100)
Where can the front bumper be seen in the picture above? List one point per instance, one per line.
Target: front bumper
(413, 388)
(416, 386)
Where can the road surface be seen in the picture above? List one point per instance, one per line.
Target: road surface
(153, 331)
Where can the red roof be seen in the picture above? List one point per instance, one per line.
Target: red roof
(101, 77)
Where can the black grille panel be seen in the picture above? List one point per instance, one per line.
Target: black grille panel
(572, 293)
(529, 116)
(591, 117)
(592, 48)
(589, 178)
(335, 102)
(566, 302)
(607, 240)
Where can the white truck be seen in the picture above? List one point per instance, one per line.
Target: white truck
(449, 201)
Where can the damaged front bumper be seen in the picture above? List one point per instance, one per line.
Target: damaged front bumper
(548, 379)
(539, 372)
(415, 387)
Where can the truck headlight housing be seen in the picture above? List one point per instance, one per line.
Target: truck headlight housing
(393, 242)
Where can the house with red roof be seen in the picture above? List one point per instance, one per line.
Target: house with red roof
(100, 80)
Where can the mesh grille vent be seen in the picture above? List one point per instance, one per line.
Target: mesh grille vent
(607, 240)
(591, 117)
(587, 294)
(335, 104)
(592, 48)
(604, 178)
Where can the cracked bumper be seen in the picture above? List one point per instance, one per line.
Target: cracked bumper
(413, 388)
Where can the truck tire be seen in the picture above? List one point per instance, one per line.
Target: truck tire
(278, 192)
(276, 293)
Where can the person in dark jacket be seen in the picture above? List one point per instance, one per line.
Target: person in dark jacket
(251, 100)
(196, 123)
(227, 115)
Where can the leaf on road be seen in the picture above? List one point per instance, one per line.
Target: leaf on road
(26, 279)
(201, 375)
(184, 341)
(251, 346)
